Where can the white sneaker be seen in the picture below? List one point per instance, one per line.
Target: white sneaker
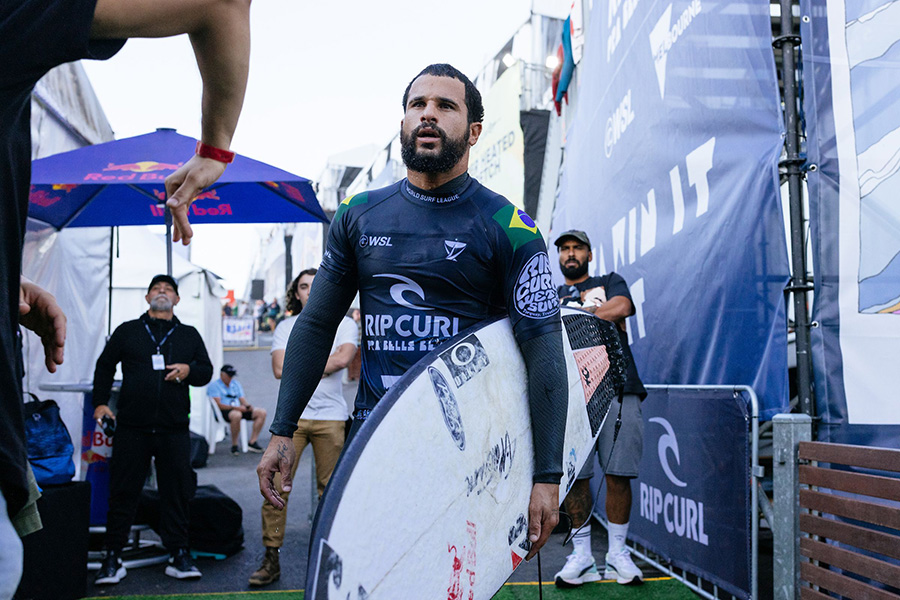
(579, 569)
(621, 568)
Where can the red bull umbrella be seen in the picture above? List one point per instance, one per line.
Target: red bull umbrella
(122, 183)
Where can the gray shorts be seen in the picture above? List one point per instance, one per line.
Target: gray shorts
(626, 456)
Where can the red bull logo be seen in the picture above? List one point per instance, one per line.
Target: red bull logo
(42, 198)
(145, 170)
(158, 210)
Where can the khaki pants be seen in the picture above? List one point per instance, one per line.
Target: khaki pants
(327, 439)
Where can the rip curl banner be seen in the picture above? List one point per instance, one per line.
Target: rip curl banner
(691, 501)
(852, 109)
(671, 168)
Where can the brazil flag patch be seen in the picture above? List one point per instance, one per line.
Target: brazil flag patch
(518, 226)
(360, 198)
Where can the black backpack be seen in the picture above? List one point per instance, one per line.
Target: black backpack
(216, 519)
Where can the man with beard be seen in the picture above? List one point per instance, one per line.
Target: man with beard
(431, 255)
(161, 357)
(619, 452)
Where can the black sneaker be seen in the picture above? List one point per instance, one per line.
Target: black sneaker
(235, 451)
(111, 570)
(181, 566)
(254, 447)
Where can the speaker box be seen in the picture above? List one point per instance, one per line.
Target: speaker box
(56, 556)
(257, 289)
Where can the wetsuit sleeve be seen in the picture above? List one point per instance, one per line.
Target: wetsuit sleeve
(339, 260)
(308, 348)
(105, 369)
(201, 366)
(533, 307)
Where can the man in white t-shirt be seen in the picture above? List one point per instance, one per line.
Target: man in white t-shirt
(321, 424)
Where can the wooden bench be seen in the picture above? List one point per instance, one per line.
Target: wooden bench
(823, 517)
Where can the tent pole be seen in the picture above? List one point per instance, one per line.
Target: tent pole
(793, 162)
(112, 234)
(168, 242)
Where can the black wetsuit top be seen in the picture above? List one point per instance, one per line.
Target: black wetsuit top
(427, 266)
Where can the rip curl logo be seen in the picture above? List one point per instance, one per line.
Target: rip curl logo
(535, 296)
(449, 407)
(668, 441)
(406, 285)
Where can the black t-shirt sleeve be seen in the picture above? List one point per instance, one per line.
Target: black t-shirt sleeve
(616, 286)
(41, 34)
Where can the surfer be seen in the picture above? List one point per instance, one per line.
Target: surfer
(620, 455)
(431, 255)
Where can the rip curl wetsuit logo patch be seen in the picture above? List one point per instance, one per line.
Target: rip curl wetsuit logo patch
(449, 407)
(535, 296)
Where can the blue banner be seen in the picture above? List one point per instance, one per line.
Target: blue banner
(671, 168)
(691, 502)
(852, 109)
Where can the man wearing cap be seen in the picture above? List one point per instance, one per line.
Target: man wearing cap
(619, 453)
(228, 394)
(160, 357)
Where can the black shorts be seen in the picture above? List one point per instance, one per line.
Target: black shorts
(247, 416)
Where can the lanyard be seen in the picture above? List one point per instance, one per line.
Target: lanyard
(165, 337)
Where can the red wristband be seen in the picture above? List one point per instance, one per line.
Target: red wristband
(207, 151)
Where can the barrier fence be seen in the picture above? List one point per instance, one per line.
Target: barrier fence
(695, 509)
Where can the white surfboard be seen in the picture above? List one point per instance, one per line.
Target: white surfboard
(430, 499)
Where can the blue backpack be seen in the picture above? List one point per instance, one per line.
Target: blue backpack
(50, 447)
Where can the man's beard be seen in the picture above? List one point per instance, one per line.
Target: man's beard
(451, 151)
(575, 272)
(161, 304)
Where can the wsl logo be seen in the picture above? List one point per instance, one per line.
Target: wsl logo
(680, 515)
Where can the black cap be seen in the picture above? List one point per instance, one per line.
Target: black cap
(573, 233)
(229, 370)
(162, 277)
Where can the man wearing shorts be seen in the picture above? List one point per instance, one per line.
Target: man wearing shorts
(619, 454)
(228, 394)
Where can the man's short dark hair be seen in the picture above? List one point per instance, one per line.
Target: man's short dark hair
(291, 302)
(474, 107)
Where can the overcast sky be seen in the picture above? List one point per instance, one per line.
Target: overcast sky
(325, 77)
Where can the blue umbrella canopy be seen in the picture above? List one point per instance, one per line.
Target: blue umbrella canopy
(122, 183)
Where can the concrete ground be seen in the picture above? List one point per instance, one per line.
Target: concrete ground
(236, 476)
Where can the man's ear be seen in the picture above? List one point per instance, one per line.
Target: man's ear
(474, 133)
(177, 299)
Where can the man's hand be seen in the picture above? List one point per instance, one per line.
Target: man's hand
(278, 458)
(543, 515)
(103, 411)
(183, 186)
(39, 312)
(179, 372)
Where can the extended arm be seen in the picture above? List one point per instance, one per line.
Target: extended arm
(220, 35)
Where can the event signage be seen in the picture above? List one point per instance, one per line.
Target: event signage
(852, 106)
(497, 160)
(691, 501)
(238, 331)
(671, 168)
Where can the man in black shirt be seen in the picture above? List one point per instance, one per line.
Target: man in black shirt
(161, 357)
(607, 297)
(431, 255)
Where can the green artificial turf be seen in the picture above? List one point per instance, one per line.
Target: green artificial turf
(659, 589)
